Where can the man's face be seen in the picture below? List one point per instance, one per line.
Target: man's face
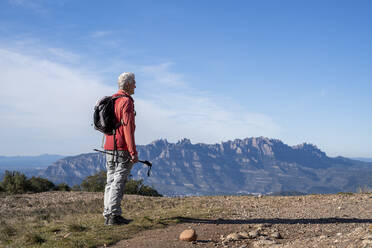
(131, 88)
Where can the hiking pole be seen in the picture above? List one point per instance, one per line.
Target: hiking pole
(146, 162)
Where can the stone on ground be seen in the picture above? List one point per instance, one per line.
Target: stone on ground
(276, 235)
(244, 234)
(188, 235)
(234, 237)
(253, 234)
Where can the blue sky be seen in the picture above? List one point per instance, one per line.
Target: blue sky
(211, 71)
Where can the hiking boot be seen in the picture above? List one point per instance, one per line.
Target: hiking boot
(117, 220)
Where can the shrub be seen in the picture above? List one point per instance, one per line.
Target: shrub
(132, 187)
(136, 187)
(76, 187)
(15, 183)
(62, 187)
(148, 191)
(95, 183)
(38, 184)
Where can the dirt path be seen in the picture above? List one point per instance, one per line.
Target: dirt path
(342, 220)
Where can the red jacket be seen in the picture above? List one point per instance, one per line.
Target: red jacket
(124, 112)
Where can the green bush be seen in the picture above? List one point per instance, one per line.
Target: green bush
(39, 184)
(76, 187)
(15, 182)
(62, 187)
(148, 191)
(97, 182)
(136, 187)
(132, 187)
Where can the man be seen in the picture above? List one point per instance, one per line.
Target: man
(119, 167)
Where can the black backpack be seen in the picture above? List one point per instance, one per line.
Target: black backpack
(104, 119)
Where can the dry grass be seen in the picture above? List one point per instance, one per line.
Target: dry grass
(364, 190)
(76, 227)
(33, 239)
(74, 219)
(7, 232)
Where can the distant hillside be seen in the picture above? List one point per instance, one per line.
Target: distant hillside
(27, 162)
(28, 165)
(73, 170)
(251, 165)
(364, 159)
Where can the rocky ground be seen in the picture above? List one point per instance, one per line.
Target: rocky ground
(342, 220)
(74, 219)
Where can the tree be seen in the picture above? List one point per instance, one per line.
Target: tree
(136, 187)
(132, 187)
(38, 184)
(76, 187)
(15, 183)
(148, 191)
(62, 187)
(95, 183)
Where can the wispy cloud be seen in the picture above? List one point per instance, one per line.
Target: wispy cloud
(161, 74)
(173, 110)
(33, 47)
(46, 106)
(34, 5)
(63, 54)
(100, 34)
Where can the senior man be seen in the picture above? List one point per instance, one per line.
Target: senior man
(119, 167)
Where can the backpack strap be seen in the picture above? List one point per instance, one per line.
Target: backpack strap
(128, 96)
(114, 158)
(118, 96)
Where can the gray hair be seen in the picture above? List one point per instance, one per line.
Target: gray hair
(125, 79)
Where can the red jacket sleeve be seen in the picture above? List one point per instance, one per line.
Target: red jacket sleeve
(129, 127)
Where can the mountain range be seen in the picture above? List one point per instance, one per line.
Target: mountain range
(27, 162)
(28, 165)
(242, 166)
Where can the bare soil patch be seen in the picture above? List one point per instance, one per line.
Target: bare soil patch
(74, 219)
(342, 220)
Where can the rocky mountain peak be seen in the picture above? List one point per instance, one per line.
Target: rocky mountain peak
(160, 142)
(262, 145)
(307, 147)
(256, 164)
(184, 141)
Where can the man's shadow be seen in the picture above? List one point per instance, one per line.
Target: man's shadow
(273, 221)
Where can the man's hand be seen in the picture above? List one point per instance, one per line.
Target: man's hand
(134, 159)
